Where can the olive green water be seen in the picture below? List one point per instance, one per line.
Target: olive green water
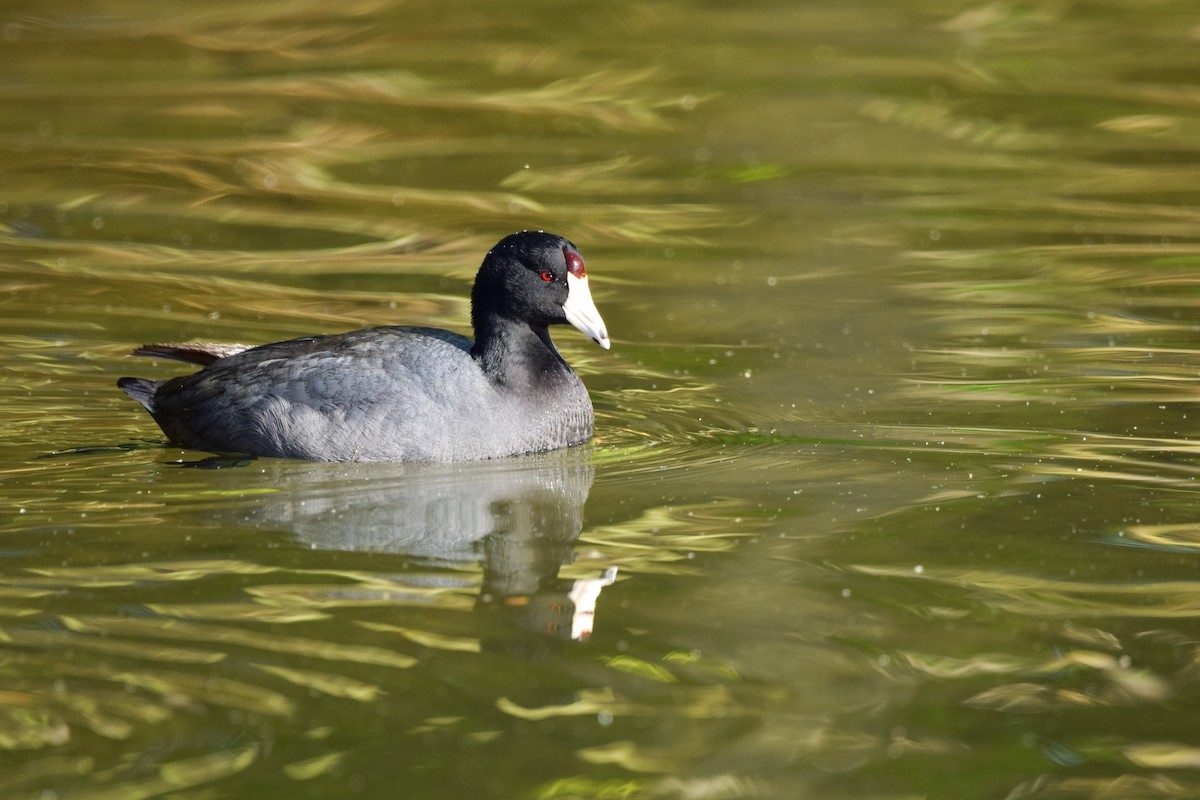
(894, 458)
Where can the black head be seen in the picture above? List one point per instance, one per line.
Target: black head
(536, 278)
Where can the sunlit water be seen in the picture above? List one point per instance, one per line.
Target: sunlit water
(893, 488)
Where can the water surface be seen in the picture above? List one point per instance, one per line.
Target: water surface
(892, 493)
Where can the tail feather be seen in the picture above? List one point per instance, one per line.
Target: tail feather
(203, 353)
(140, 389)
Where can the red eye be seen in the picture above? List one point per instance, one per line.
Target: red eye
(547, 276)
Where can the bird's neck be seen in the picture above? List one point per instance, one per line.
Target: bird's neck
(515, 353)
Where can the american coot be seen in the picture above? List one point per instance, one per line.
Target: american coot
(400, 393)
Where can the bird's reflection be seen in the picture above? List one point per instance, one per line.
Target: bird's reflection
(519, 518)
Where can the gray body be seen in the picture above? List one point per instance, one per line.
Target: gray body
(380, 394)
